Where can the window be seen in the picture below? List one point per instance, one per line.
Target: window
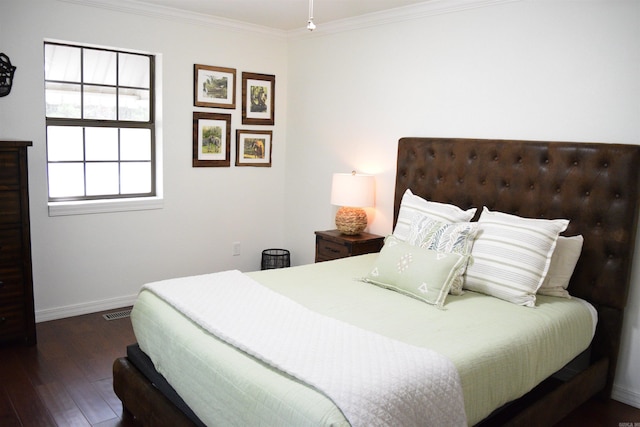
(100, 123)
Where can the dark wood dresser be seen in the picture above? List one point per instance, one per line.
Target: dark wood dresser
(17, 319)
(332, 244)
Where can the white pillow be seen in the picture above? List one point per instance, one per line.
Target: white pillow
(511, 256)
(563, 262)
(412, 206)
(448, 238)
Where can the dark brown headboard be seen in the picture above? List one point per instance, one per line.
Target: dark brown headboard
(593, 185)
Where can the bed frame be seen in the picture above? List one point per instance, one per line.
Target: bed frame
(595, 186)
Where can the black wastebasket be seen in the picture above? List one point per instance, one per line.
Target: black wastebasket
(275, 258)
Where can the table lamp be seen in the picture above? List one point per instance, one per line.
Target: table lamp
(352, 192)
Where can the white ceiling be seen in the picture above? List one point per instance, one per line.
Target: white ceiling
(283, 15)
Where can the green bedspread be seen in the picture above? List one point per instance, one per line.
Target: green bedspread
(501, 350)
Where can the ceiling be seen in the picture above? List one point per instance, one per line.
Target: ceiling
(283, 15)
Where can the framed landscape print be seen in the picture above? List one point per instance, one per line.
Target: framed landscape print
(211, 139)
(258, 98)
(214, 86)
(253, 147)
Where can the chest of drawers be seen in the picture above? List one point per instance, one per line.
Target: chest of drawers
(17, 320)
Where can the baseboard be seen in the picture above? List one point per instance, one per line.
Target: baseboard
(628, 397)
(84, 308)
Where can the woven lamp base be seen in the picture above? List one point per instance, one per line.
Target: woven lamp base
(351, 221)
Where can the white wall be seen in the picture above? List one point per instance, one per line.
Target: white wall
(92, 262)
(555, 70)
(549, 70)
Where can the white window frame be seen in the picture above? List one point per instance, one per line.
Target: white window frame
(122, 203)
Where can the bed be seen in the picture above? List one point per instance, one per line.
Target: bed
(593, 186)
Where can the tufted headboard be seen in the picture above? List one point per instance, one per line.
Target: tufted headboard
(593, 185)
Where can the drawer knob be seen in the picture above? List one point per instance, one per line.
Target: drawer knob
(2, 320)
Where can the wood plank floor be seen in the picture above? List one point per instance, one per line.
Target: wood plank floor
(66, 380)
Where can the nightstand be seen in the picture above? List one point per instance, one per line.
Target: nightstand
(332, 244)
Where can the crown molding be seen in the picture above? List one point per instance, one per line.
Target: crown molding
(400, 14)
(390, 16)
(173, 14)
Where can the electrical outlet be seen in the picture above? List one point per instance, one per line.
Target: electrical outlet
(236, 249)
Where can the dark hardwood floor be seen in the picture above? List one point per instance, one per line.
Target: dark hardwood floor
(66, 380)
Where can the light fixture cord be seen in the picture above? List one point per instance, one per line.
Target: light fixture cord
(310, 25)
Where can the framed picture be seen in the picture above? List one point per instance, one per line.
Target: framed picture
(211, 139)
(214, 86)
(258, 98)
(253, 148)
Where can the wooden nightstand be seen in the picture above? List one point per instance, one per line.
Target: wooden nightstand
(332, 244)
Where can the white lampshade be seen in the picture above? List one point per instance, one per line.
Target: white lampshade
(353, 190)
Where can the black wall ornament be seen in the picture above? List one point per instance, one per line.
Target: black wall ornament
(6, 74)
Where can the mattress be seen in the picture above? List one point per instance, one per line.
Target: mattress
(500, 350)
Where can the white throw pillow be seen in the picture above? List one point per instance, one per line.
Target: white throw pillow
(412, 206)
(563, 262)
(511, 256)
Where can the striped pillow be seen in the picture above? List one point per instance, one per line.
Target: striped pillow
(511, 256)
(412, 207)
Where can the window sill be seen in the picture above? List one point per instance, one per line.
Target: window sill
(105, 206)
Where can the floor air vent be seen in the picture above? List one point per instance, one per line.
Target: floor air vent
(117, 315)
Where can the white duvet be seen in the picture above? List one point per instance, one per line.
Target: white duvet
(372, 379)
